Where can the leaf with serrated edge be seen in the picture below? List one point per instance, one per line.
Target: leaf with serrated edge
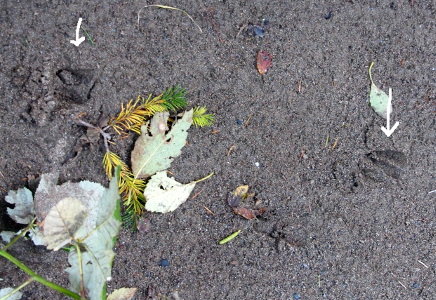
(23, 212)
(164, 194)
(97, 256)
(62, 222)
(154, 150)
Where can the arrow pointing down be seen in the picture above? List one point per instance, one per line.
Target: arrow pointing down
(78, 40)
(388, 130)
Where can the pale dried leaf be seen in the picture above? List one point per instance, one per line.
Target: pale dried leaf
(98, 240)
(123, 294)
(62, 222)
(23, 212)
(165, 194)
(15, 296)
(155, 149)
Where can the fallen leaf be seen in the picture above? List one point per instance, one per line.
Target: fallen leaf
(23, 212)
(378, 99)
(155, 149)
(16, 295)
(123, 294)
(240, 193)
(263, 61)
(236, 199)
(62, 222)
(249, 213)
(244, 212)
(164, 194)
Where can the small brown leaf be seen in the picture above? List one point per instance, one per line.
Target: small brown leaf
(244, 212)
(249, 213)
(235, 198)
(264, 61)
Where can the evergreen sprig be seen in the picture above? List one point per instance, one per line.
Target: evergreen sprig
(175, 98)
(130, 118)
(200, 118)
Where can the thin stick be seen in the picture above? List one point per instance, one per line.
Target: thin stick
(196, 195)
(209, 211)
(169, 7)
(230, 150)
(335, 143)
(402, 284)
(422, 263)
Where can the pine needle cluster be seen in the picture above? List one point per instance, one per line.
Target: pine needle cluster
(130, 118)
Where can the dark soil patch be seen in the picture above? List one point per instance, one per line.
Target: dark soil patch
(352, 218)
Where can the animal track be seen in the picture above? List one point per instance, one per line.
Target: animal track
(384, 164)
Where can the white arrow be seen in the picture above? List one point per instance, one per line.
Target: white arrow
(78, 40)
(388, 130)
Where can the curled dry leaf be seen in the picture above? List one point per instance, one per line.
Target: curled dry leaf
(236, 199)
(263, 61)
(249, 213)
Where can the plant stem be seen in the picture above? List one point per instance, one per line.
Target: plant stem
(28, 281)
(369, 71)
(79, 259)
(207, 177)
(38, 278)
(23, 232)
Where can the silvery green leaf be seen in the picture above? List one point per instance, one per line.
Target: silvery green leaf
(23, 212)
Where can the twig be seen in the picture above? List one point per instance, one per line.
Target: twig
(248, 121)
(196, 195)
(335, 143)
(106, 136)
(209, 211)
(402, 285)
(327, 141)
(230, 150)
(422, 263)
(169, 7)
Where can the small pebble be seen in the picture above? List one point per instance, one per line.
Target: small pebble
(329, 15)
(258, 31)
(164, 263)
(296, 296)
(257, 164)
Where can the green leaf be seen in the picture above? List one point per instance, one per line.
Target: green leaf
(23, 212)
(103, 220)
(378, 99)
(155, 149)
(164, 194)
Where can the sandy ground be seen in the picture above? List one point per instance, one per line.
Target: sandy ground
(350, 211)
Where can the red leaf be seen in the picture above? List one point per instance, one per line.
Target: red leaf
(264, 61)
(245, 212)
(248, 213)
